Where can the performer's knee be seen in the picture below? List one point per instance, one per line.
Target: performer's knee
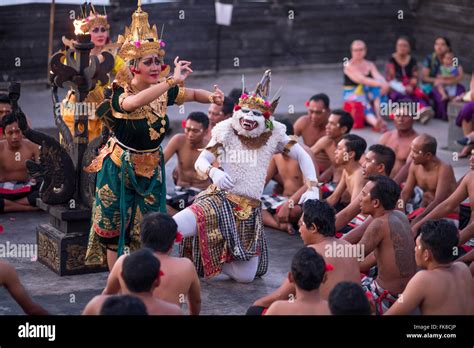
(242, 271)
(186, 222)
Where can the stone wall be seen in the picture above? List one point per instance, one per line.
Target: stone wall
(261, 34)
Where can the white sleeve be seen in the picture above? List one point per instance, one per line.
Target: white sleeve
(304, 160)
(206, 157)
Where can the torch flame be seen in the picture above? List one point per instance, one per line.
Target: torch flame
(78, 23)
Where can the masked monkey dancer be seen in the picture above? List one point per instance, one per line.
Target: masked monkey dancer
(226, 219)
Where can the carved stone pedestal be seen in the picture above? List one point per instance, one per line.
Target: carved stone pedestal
(62, 242)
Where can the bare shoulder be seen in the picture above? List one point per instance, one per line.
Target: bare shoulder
(177, 139)
(185, 264)
(171, 308)
(463, 269)
(301, 121)
(385, 137)
(277, 307)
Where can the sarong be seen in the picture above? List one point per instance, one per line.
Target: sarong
(383, 299)
(15, 190)
(226, 231)
(120, 206)
(271, 203)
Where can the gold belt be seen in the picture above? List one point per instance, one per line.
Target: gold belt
(144, 163)
(243, 201)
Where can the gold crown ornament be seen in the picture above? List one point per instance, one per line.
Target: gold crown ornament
(259, 99)
(140, 39)
(85, 25)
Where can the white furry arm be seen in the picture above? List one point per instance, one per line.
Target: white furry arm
(203, 166)
(309, 172)
(205, 159)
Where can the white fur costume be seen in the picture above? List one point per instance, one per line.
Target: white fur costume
(244, 171)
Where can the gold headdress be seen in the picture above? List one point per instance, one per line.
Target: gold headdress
(258, 100)
(93, 20)
(139, 39)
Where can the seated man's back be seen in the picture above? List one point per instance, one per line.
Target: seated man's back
(443, 287)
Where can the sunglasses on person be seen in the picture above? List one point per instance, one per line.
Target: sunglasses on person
(101, 29)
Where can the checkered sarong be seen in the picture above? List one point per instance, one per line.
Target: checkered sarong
(383, 299)
(415, 201)
(182, 197)
(15, 187)
(272, 202)
(221, 237)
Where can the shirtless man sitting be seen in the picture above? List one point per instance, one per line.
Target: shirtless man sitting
(347, 155)
(443, 287)
(339, 123)
(141, 276)
(379, 159)
(318, 232)
(308, 271)
(158, 233)
(432, 175)
(312, 126)
(9, 279)
(399, 140)
(464, 190)
(287, 173)
(17, 192)
(388, 235)
(186, 146)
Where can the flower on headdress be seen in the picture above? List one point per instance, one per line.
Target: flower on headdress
(179, 237)
(237, 108)
(162, 43)
(267, 103)
(244, 96)
(266, 114)
(137, 44)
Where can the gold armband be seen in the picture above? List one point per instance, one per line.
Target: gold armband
(170, 81)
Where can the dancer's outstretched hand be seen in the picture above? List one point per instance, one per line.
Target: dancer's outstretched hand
(181, 70)
(218, 96)
(221, 179)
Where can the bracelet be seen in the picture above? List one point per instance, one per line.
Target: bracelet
(121, 102)
(211, 98)
(291, 204)
(311, 184)
(170, 81)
